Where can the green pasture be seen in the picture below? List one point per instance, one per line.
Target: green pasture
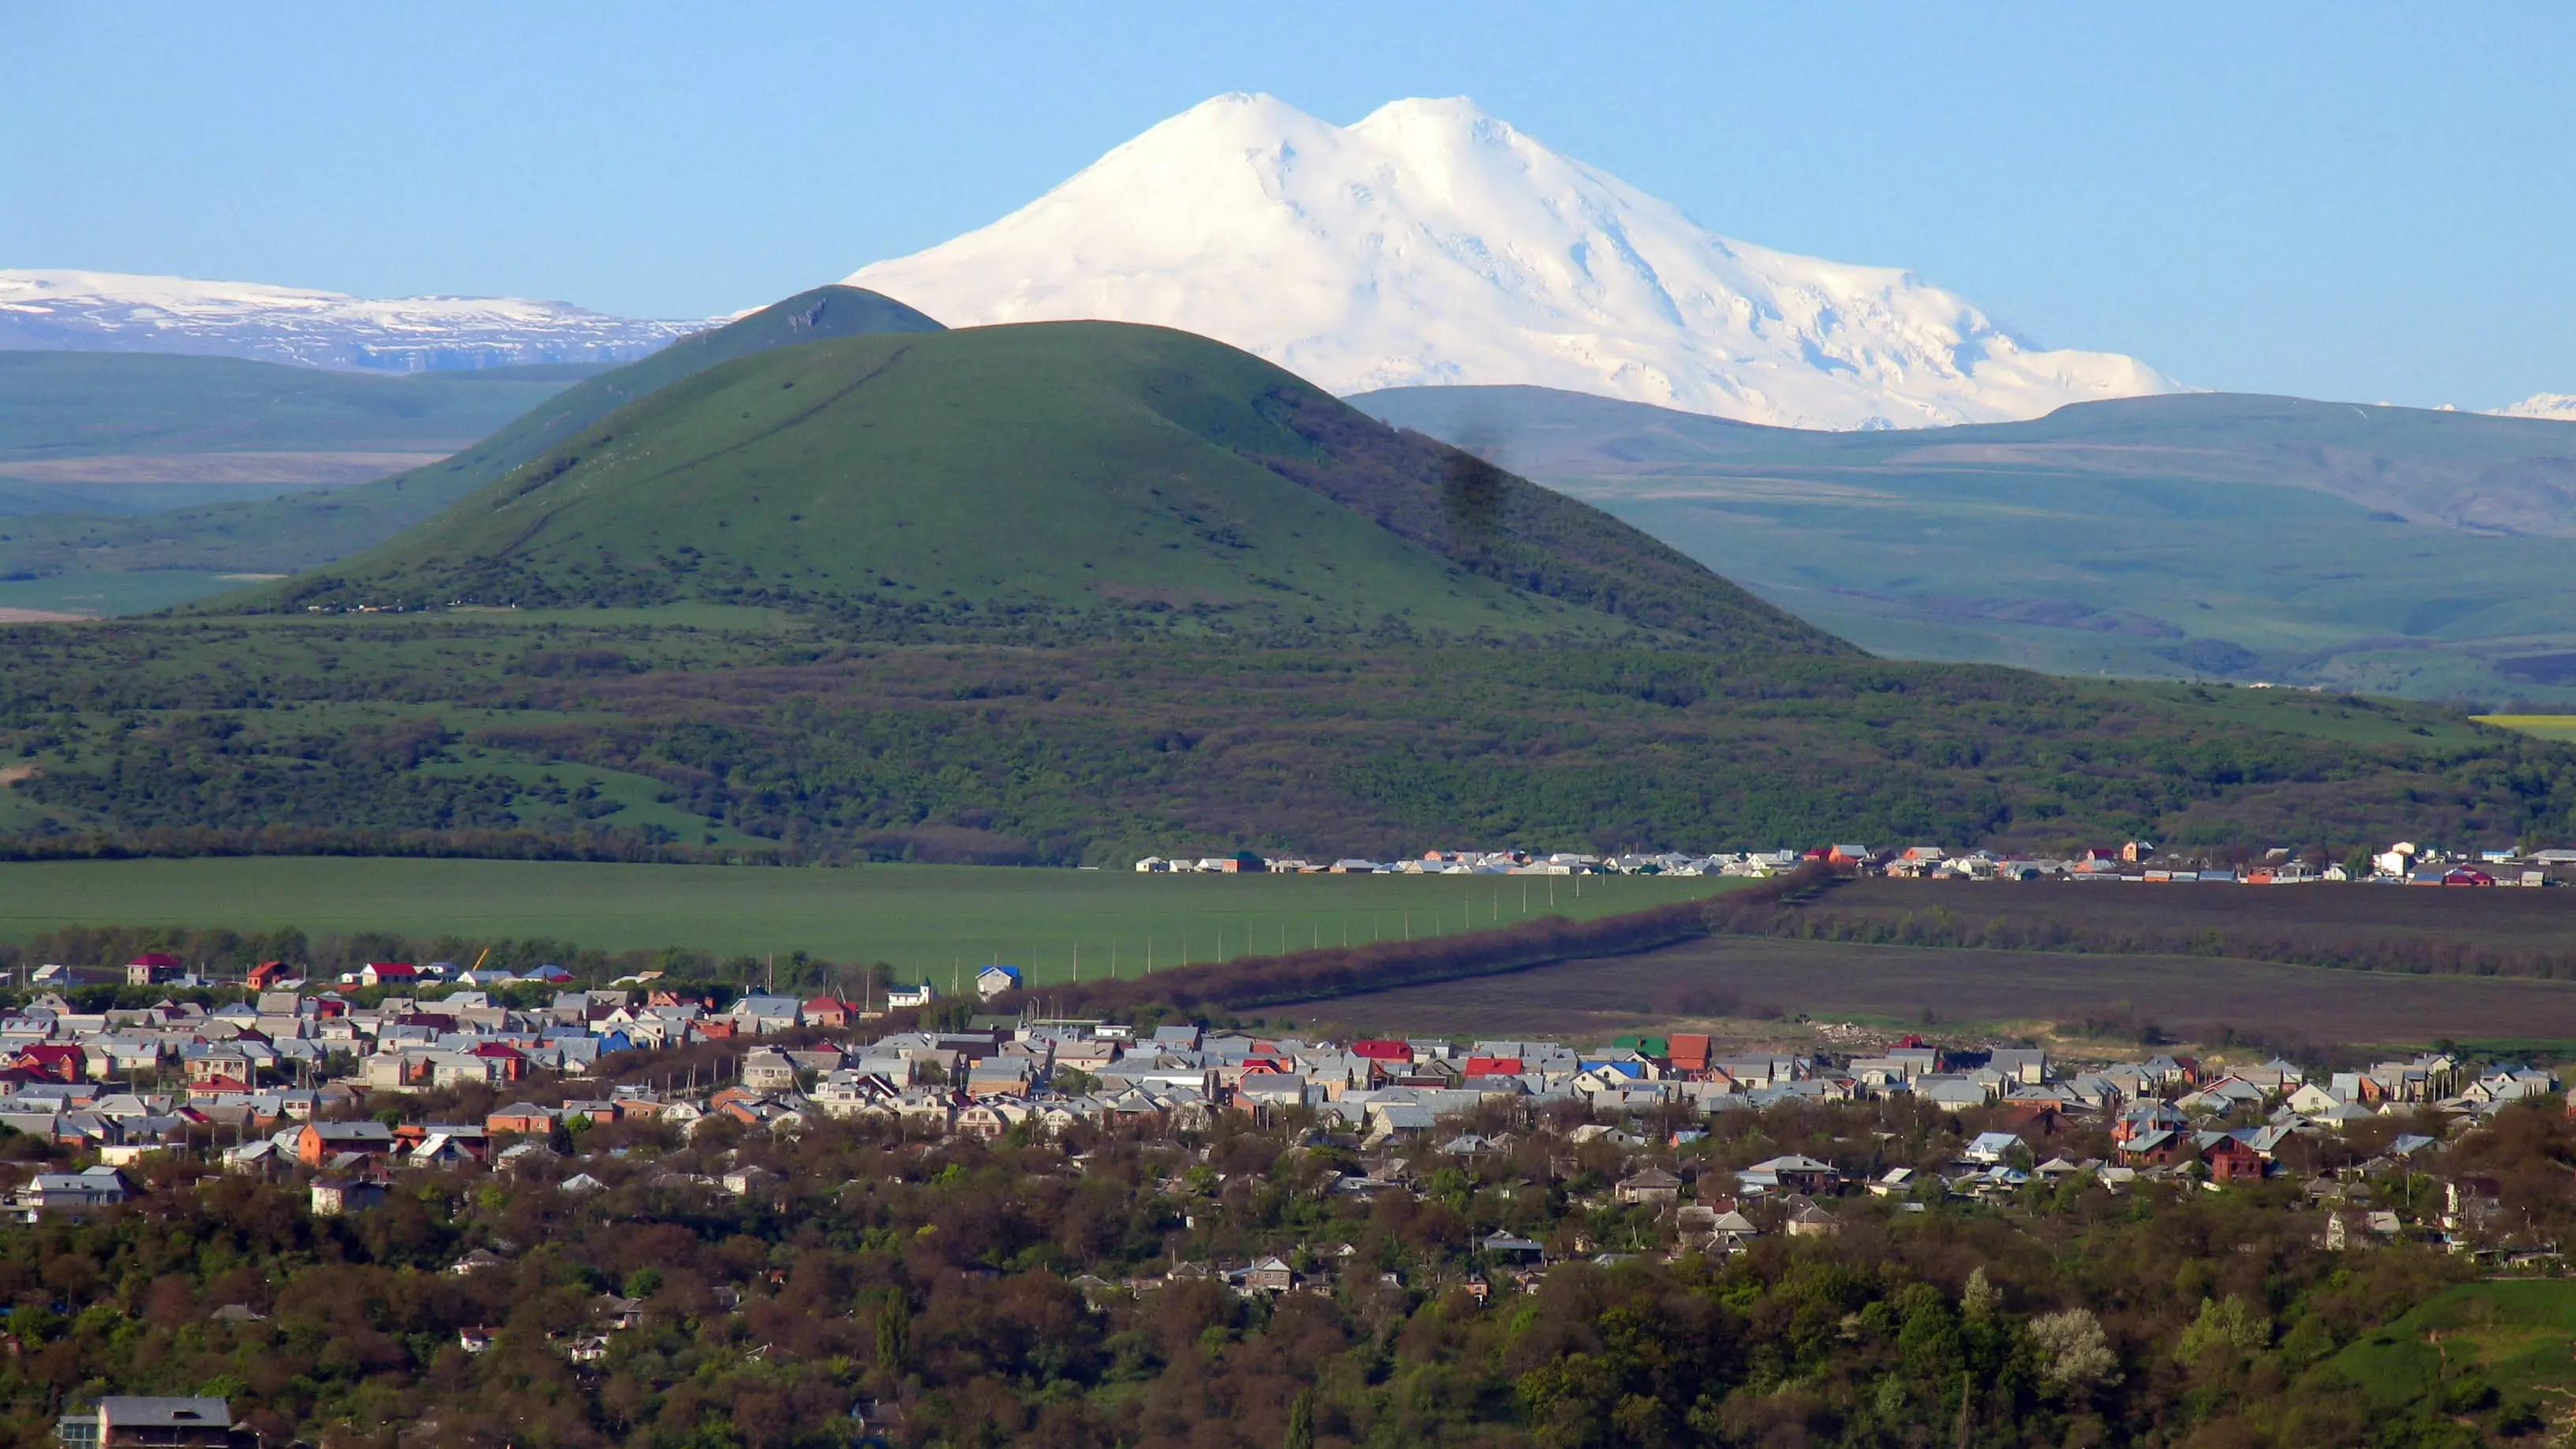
(108, 593)
(933, 920)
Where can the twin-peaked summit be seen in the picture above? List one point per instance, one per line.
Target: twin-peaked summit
(1432, 243)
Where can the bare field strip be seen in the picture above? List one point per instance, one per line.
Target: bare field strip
(2499, 916)
(2191, 998)
(302, 467)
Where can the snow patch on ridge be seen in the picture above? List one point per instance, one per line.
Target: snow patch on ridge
(1431, 243)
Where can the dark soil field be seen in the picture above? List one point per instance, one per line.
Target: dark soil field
(2502, 916)
(2189, 998)
(2402, 929)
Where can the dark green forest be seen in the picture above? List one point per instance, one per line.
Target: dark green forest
(811, 741)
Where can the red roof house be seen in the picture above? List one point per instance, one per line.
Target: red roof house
(1688, 1052)
(53, 1061)
(514, 1063)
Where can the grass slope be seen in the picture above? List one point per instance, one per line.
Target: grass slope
(2386, 550)
(289, 534)
(2511, 1338)
(1056, 470)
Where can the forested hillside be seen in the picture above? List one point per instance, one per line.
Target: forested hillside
(754, 731)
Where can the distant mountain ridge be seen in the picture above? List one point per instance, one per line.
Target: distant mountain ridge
(1432, 244)
(76, 311)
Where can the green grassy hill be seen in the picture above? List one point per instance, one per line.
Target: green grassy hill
(1005, 474)
(2387, 550)
(292, 533)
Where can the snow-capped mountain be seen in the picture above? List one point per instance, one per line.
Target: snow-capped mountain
(2558, 405)
(113, 312)
(1432, 243)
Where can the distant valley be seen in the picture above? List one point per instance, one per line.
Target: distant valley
(2373, 549)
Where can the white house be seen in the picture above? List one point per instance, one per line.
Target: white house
(1990, 1147)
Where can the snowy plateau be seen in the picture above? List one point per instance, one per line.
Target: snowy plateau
(1434, 244)
(113, 312)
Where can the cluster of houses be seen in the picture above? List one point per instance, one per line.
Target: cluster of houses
(281, 1084)
(2139, 863)
(120, 1083)
(1484, 862)
(160, 968)
(2136, 861)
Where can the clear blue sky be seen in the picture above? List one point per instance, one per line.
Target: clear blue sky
(2341, 201)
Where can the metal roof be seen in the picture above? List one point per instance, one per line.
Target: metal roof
(139, 1413)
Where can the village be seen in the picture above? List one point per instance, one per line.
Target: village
(1270, 1169)
(314, 1088)
(2137, 862)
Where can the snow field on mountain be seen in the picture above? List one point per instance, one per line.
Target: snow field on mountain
(1433, 244)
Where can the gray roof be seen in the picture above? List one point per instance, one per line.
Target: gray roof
(138, 1413)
